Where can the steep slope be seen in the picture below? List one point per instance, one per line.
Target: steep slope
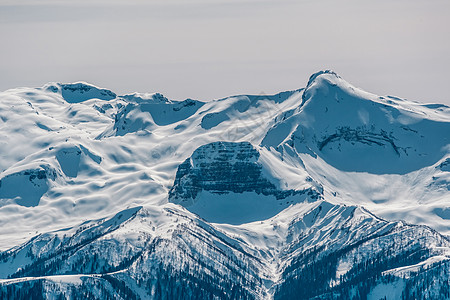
(167, 252)
(230, 183)
(355, 131)
(142, 252)
(381, 152)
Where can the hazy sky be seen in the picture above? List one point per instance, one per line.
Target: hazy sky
(215, 48)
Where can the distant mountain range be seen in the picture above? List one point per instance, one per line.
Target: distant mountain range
(326, 192)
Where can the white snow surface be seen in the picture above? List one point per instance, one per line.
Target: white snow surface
(71, 153)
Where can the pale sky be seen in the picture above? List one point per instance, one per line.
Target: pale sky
(209, 49)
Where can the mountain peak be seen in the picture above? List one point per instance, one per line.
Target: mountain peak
(80, 91)
(357, 131)
(322, 73)
(322, 80)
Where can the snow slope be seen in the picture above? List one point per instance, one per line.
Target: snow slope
(385, 153)
(284, 179)
(99, 166)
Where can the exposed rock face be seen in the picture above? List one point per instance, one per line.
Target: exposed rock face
(224, 167)
(445, 165)
(360, 135)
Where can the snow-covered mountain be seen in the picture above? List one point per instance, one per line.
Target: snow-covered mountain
(324, 192)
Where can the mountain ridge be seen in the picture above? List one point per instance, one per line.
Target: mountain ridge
(243, 197)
